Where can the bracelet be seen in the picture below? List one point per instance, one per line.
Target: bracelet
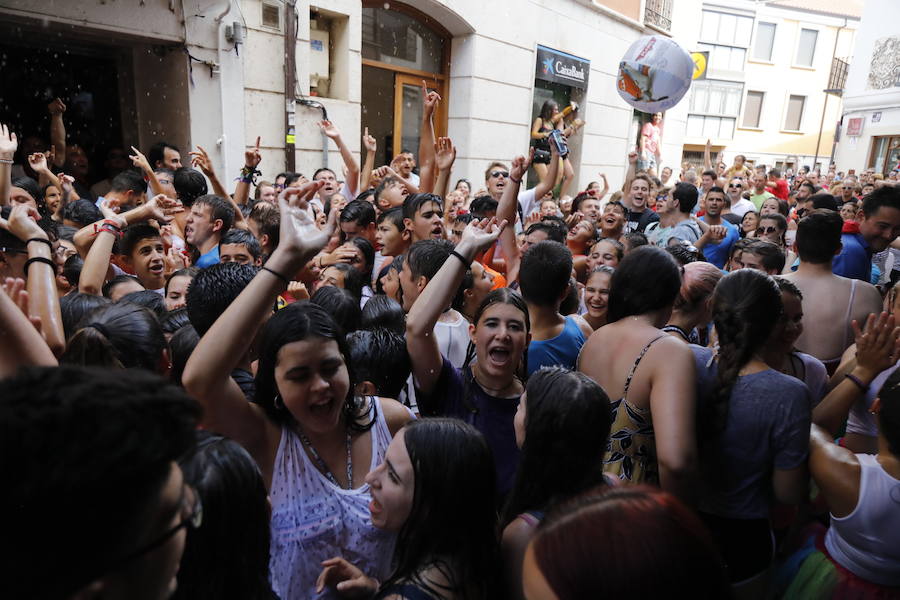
(248, 174)
(518, 181)
(42, 241)
(39, 259)
(5, 161)
(108, 228)
(461, 258)
(277, 274)
(112, 223)
(857, 381)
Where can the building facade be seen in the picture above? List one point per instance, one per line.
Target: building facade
(870, 124)
(215, 74)
(770, 64)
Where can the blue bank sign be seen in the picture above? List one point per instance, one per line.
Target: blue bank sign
(559, 67)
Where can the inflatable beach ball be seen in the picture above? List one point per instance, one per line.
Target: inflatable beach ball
(654, 74)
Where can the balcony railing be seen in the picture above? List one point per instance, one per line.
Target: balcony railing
(658, 13)
(838, 76)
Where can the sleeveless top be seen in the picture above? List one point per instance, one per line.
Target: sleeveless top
(832, 364)
(561, 350)
(543, 143)
(313, 519)
(867, 541)
(631, 450)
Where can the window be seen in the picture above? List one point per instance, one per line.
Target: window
(765, 41)
(714, 107)
(806, 49)
(794, 114)
(753, 109)
(727, 58)
(727, 29)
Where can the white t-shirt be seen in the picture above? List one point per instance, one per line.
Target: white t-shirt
(453, 338)
(741, 207)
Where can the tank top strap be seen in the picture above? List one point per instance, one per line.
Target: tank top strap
(637, 361)
(381, 434)
(849, 314)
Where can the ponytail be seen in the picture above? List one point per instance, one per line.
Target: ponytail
(120, 335)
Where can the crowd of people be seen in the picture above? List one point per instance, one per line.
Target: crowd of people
(378, 384)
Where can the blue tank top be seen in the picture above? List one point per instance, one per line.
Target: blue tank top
(559, 351)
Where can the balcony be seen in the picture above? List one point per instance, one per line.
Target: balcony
(658, 14)
(838, 76)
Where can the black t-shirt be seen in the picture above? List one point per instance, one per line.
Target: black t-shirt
(732, 218)
(638, 221)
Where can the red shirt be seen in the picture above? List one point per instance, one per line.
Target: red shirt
(779, 189)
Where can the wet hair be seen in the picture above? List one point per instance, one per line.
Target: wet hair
(394, 215)
(887, 195)
(174, 320)
(596, 546)
(547, 109)
(498, 296)
(297, 322)
(228, 557)
(647, 279)
(618, 247)
(341, 304)
(74, 306)
(746, 307)
(148, 299)
(182, 346)
(889, 415)
(554, 232)
(773, 257)
(189, 185)
(213, 290)
(579, 198)
(686, 194)
(567, 423)
(354, 281)
(135, 234)
(545, 272)
(72, 269)
(380, 357)
(482, 205)
(684, 252)
(242, 237)
(220, 209)
(128, 181)
(426, 257)
(385, 313)
(451, 527)
(698, 282)
(110, 285)
(360, 212)
(414, 202)
(186, 272)
(120, 336)
(636, 239)
(571, 301)
(157, 152)
(384, 183)
(84, 212)
(103, 442)
(268, 221)
(368, 252)
(819, 236)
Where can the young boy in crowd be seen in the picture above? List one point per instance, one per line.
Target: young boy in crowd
(211, 216)
(241, 247)
(423, 217)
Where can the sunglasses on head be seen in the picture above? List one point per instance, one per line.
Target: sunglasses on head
(496, 174)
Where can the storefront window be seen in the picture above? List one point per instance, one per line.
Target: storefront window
(395, 38)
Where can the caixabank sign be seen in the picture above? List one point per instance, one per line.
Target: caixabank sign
(559, 67)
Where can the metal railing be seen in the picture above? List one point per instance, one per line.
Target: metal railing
(659, 14)
(838, 76)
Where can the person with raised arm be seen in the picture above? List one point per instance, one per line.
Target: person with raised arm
(348, 190)
(371, 145)
(314, 440)
(252, 158)
(39, 270)
(427, 147)
(486, 392)
(22, 344)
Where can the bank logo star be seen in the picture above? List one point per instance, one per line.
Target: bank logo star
(548, 66)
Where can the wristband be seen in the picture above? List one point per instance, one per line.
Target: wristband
(42, 241)
(277, 274)
(858, 382)
(5, 161)
(39, 259)
(518, 181)
(461, 258)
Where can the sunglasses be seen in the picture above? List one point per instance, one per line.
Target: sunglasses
(496, 174)
(767, 230)
(731, 185)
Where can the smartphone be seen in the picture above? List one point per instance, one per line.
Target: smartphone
(559, 140)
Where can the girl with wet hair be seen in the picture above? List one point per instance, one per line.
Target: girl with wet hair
(433, 489)
(313, 438)
(753, 431)
(692, 312)
(596, 296)
(562, 426)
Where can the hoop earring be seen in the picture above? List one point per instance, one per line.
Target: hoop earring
(278, 402)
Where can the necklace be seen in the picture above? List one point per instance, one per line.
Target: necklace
(678, 330)
(324, 467)
(493, 391)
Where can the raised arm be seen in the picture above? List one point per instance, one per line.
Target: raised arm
(426, 139)
(331, 130)
(22, 343)
(40, 272)
(252, 158)
(200, 159)
(38, 164)
(207, 375)
(57, 131)
(602, 194)
(140, 161)
(506, 211)
(876, 350)
(371, 146)
(444, 157)
(8, 145)
(631, 171)
(707, 158)
(549, 180)
(437, 296)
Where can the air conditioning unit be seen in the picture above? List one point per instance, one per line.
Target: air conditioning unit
(318, 55)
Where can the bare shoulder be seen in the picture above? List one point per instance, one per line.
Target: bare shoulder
(395, 414)
(868, 297)
(517, 534)
(583, 325)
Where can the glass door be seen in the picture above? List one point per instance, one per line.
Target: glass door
(408, 111)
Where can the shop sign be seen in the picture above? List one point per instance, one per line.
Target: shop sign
(559, 67)
(855, 126)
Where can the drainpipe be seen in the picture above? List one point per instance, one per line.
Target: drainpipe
(837, 36)
(222, 142)
(290, 84)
